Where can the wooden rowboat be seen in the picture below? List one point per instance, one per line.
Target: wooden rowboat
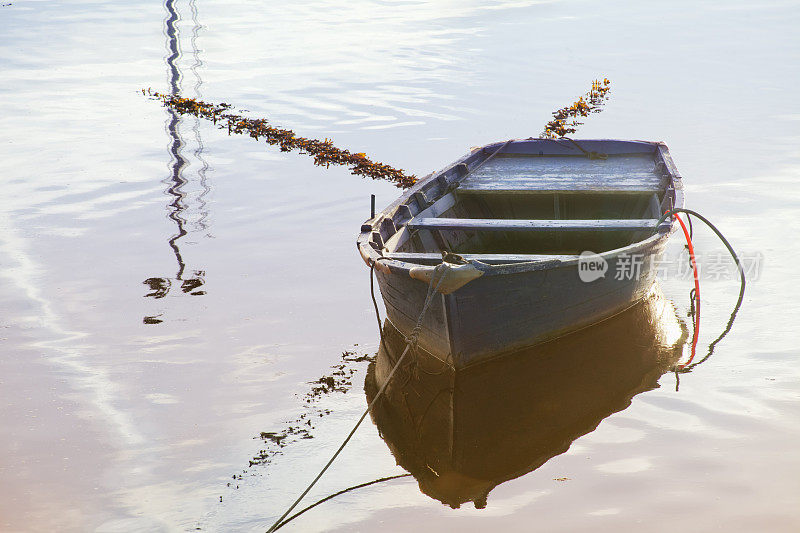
(553, 236)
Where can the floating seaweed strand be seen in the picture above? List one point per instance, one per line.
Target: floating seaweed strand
(591, 102)
(565, 121)
(323, 152)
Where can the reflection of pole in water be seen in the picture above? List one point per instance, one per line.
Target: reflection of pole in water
(177, 160)
(198, 153)
(160, 286)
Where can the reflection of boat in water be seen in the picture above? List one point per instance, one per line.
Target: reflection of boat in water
(463, 432)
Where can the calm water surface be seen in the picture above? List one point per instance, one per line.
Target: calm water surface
(168, 292)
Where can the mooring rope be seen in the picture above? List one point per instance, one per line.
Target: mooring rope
(696, 291)
(411, 341)
(587, 153)
(413, 338)
(343, 491)
(686, 367)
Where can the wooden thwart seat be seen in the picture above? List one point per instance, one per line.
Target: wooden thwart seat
(554, 188)
(490, 224)
(434, 258)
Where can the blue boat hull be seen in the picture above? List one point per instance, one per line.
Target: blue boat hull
(496, 314)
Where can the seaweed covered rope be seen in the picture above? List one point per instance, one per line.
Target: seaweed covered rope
(323, 152)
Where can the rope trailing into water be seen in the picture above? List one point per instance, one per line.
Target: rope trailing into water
(323, 152)
(695, 292)
(411, 341)
(687, 366)
(344, 491)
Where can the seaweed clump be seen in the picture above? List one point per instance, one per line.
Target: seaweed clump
(565, 120)
(323, 152)
(339, 380)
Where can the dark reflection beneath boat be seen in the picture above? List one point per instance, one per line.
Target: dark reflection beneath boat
(462, 433)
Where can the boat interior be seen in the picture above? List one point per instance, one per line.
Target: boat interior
(522, 206)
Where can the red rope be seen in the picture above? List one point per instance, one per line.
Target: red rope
(696, 291)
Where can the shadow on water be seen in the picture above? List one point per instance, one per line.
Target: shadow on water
(192, 284)
(460, 434)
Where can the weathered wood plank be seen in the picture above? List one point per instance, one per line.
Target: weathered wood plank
(619, 165)
(423, 257)
(398, 239)
(563, 147)
(438, 207)
(491, 224)
(622, 173)
(553, 188)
